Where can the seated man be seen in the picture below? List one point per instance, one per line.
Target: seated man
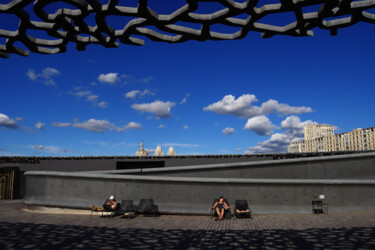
(109, 206)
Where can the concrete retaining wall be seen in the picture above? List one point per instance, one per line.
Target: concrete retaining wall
(184, 195)
(285, 186)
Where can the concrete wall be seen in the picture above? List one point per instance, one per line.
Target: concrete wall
(184, 195)
(356, 166)
(347, 181)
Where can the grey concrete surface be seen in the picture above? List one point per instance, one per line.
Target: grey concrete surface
(25, 230)
(181, 191)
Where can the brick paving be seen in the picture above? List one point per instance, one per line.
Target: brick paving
(20, 229)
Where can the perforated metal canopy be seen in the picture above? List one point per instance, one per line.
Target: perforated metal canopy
(70, 25)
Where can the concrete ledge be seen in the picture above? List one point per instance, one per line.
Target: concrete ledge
(56, 210)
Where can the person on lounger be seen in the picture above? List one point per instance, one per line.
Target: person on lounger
(110, 205)
(242, 209)
(220, 207)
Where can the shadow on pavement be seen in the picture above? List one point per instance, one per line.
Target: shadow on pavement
(46, 236)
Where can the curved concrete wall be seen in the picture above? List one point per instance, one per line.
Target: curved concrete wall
(355, 166)
(284, 186)
(184, 195)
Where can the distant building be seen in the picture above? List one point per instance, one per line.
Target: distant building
(158, 151)
(141, 151)
(171, 152)
(356, 140)
(314, 131)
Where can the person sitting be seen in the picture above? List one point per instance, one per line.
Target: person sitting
(242, 209)
(109, 206)
(220, 207)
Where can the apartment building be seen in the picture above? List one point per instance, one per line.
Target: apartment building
(356, 140)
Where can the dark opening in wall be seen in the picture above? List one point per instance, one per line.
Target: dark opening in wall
(139, 164)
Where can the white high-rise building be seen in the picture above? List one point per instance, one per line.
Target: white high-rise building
(314, 131)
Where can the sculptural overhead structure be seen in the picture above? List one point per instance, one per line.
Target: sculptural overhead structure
(67, 25)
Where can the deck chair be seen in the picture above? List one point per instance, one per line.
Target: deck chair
(126, 206)
(147, 207)
(241, 205)
(318, 204)
(227, 212)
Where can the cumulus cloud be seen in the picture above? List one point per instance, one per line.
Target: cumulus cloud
(7, 122)
(279, 142)
(159, 108)
(45, 76)
(50, 149)
(260, 125)
(134, 93)
(228, 131)
(129, 126)
(186, 127)
(161, 126)
(238, 149)
(294, 123)
(110, 78)
(95, 125)
(40, 125)
(243, 107)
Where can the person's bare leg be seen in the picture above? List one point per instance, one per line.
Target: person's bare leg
(222, 214)
(218, 212)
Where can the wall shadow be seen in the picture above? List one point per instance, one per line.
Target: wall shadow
(47, 236)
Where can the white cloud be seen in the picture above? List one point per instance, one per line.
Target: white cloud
(61, 124)
(95, 125)
(186, 127)
(133, 125)
(90, 97)
(185, 99)
(102, 104)
(228, 131)
(260, 125)
(40, 125)
(132, 94)
(161, 126)
(7, 122)
(50, 149)
(46, 76)
(110, 78)
(159, 108)
(238, 149)
(242, 107)
(279, 142)
(294, 123)
(81, 93)
(273, 106)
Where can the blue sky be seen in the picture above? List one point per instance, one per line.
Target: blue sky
(216, 97)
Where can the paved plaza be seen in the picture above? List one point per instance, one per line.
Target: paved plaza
(32, 230)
